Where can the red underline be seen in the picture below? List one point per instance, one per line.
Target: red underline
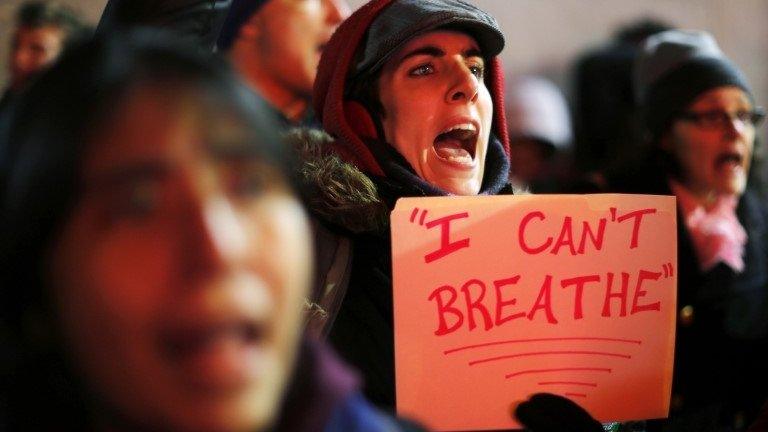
(568, 383)
(453, 350)
(576, 394)
(528, 354)
(529, 371)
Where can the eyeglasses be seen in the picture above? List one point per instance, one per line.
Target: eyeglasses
(715, 119)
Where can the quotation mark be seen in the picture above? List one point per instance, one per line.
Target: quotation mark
(668, 270)
(415, 213)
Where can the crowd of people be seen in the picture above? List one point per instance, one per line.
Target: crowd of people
(195, 235)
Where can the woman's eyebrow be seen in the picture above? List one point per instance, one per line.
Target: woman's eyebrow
(429, 50)
(472, 52)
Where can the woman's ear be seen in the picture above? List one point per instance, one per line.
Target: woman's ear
(359, 119)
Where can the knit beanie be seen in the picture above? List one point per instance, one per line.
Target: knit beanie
(366, 40)
(239, 13)
(673, 68)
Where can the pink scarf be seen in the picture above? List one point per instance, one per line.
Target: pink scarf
(716, 233)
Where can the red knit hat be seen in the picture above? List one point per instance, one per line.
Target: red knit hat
(342, 119)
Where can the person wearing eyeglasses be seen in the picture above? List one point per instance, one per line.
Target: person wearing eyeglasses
(700, 118)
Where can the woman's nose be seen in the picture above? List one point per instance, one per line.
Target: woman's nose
(735, 126)
(465, 86)
(217, 236)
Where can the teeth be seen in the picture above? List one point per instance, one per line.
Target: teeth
(465, 159)
(462, 126)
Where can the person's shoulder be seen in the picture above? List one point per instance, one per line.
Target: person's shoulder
(356, 414)
(756, 199)
(753, 211)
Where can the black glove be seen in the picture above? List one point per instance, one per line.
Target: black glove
(545, 412)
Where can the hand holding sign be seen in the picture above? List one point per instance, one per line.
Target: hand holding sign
(545, 412)
(498, 298)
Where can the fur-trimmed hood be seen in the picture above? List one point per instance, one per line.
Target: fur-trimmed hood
(336, 191)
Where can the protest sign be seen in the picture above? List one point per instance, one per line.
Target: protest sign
(497, 298)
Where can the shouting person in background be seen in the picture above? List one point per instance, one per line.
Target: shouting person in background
(701, 119)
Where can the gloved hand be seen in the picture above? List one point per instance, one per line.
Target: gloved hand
(546, 412)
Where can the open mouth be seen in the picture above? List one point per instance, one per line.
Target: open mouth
(187, 341)
(457, 144)
(729, 160)
(215, 356)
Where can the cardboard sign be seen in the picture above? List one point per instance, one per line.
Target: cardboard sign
(497, 298)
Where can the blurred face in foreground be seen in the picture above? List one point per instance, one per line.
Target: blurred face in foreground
(180, 274)
(437, 109)
(713, 142)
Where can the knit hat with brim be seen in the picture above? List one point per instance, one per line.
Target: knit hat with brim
(405, 19)
(239, 13)
(366, 40)
(673, 68)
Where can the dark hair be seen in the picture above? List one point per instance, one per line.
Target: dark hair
(49, 133)
(45, 13)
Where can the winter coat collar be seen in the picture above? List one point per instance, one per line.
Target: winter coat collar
(399, 171)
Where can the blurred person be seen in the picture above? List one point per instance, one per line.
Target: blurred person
(608, 131)
(156, 257)
(43, 30)
(275, 45)
(540, 135)
(701, 117)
